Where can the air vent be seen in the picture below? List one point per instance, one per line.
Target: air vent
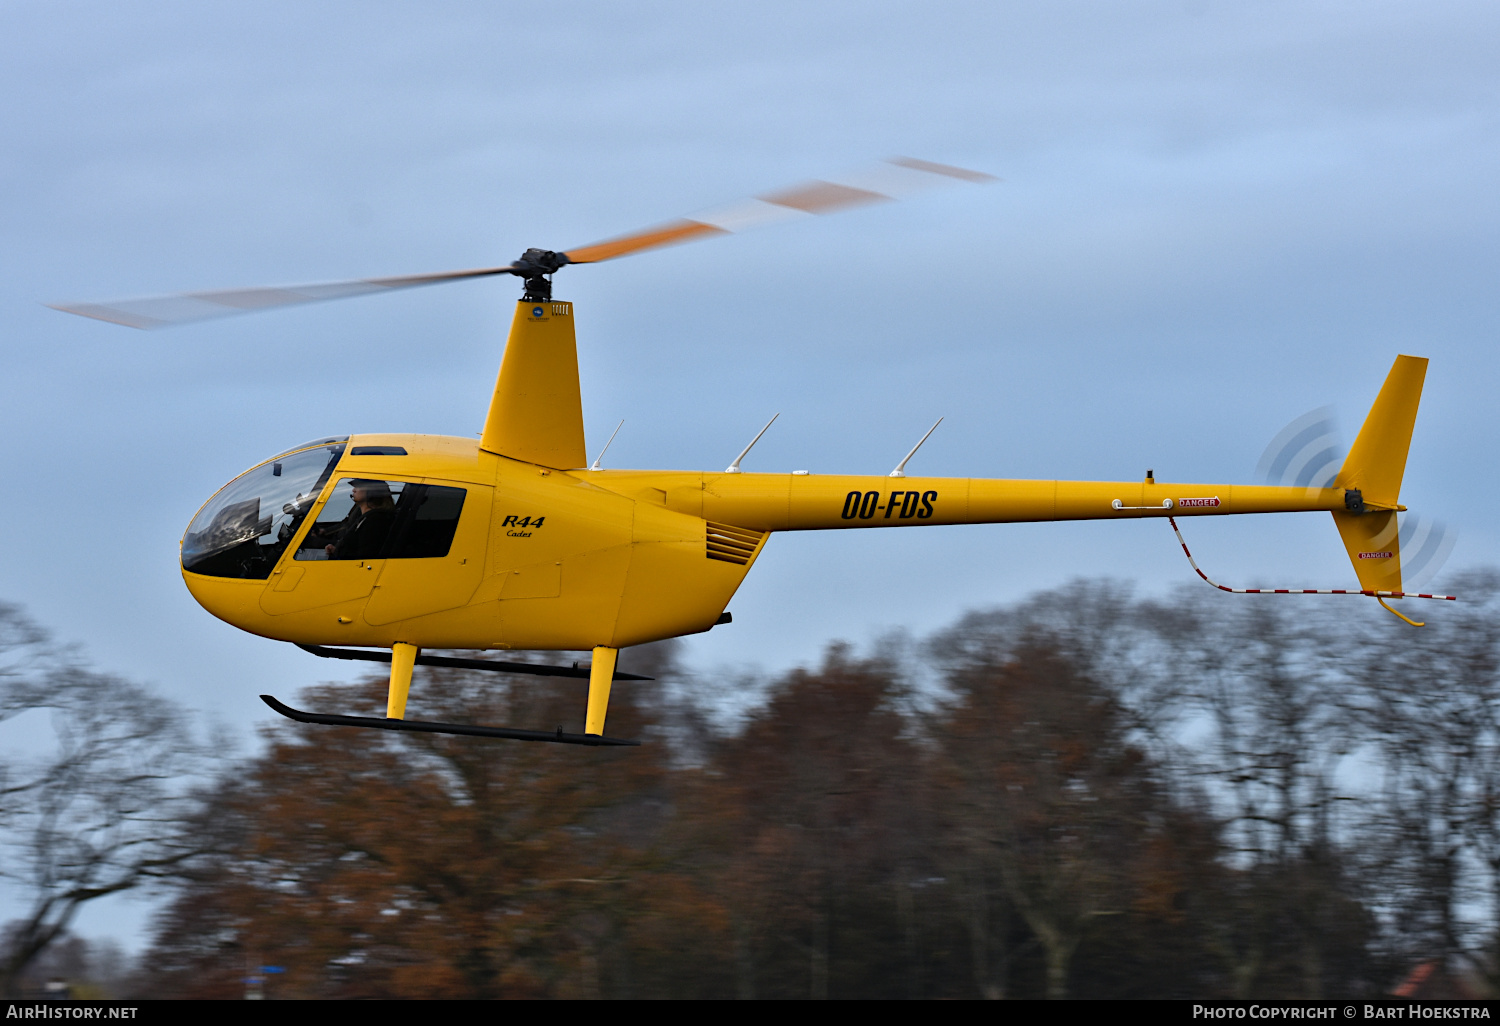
(732, 544)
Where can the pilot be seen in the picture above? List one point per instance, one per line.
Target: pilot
(362, 534)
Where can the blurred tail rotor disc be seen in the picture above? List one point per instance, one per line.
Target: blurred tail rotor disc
(1307, 453)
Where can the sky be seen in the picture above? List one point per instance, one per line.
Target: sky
(1213, 218)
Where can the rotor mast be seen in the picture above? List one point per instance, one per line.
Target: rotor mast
(536, 411)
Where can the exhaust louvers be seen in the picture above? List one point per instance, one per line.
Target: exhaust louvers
(732, 544)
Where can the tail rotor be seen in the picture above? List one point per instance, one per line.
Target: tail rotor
(1307, 453)
(1426, 543)
(1394, 553)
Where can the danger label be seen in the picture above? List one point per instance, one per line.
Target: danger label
(1212, 501)
(1375, 555)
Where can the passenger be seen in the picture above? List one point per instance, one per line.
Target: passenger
(362, 534)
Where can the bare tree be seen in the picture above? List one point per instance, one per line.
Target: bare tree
(1263, 710)
(1053, 800)
(97, 802)
(1430, 700)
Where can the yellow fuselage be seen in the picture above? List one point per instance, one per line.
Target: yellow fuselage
(623, 557)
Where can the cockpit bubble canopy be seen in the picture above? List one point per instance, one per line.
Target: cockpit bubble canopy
(330, 440)
(243, 530)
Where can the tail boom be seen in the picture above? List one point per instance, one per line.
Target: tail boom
(837, 502)
(808, 502)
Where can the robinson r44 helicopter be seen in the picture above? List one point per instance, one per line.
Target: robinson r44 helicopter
(380, 546)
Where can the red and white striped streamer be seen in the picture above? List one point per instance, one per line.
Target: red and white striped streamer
(1296, 591)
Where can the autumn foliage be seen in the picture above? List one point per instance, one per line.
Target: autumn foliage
(1034, 803)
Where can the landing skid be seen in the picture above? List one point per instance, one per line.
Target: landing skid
(468, 730)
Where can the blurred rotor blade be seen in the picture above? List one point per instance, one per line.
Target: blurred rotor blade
(662, 235)
(1425, 545)
(1305, 454)
(164, 311)
(891, 179)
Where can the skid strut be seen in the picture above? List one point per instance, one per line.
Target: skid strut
(403, 658)
(600, 676)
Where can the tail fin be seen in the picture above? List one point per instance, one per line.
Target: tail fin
(1371, 477)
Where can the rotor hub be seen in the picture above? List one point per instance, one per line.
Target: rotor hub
(536, 267)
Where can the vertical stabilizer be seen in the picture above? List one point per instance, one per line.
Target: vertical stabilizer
(536, 414)
(1371, 476)
(1377, 459)
(1374, 546)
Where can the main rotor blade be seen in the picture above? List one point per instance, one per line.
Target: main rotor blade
(891, 179)
(888, 180)
(185, 307)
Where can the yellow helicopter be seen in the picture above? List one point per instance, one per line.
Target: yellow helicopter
(401, 543)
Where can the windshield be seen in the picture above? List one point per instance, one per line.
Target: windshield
(330, 440)
(242, 531)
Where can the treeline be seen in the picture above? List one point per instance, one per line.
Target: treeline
(1084, 795)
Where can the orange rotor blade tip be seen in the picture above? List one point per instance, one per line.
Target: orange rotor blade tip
(948, 170)
(665, 235)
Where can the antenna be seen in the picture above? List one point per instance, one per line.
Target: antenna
(734, 468)
(595, 464)
(900, 470)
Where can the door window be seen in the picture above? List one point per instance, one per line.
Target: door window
(368, 518)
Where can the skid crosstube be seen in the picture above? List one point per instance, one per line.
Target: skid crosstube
(465, 729)
(492, 665)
